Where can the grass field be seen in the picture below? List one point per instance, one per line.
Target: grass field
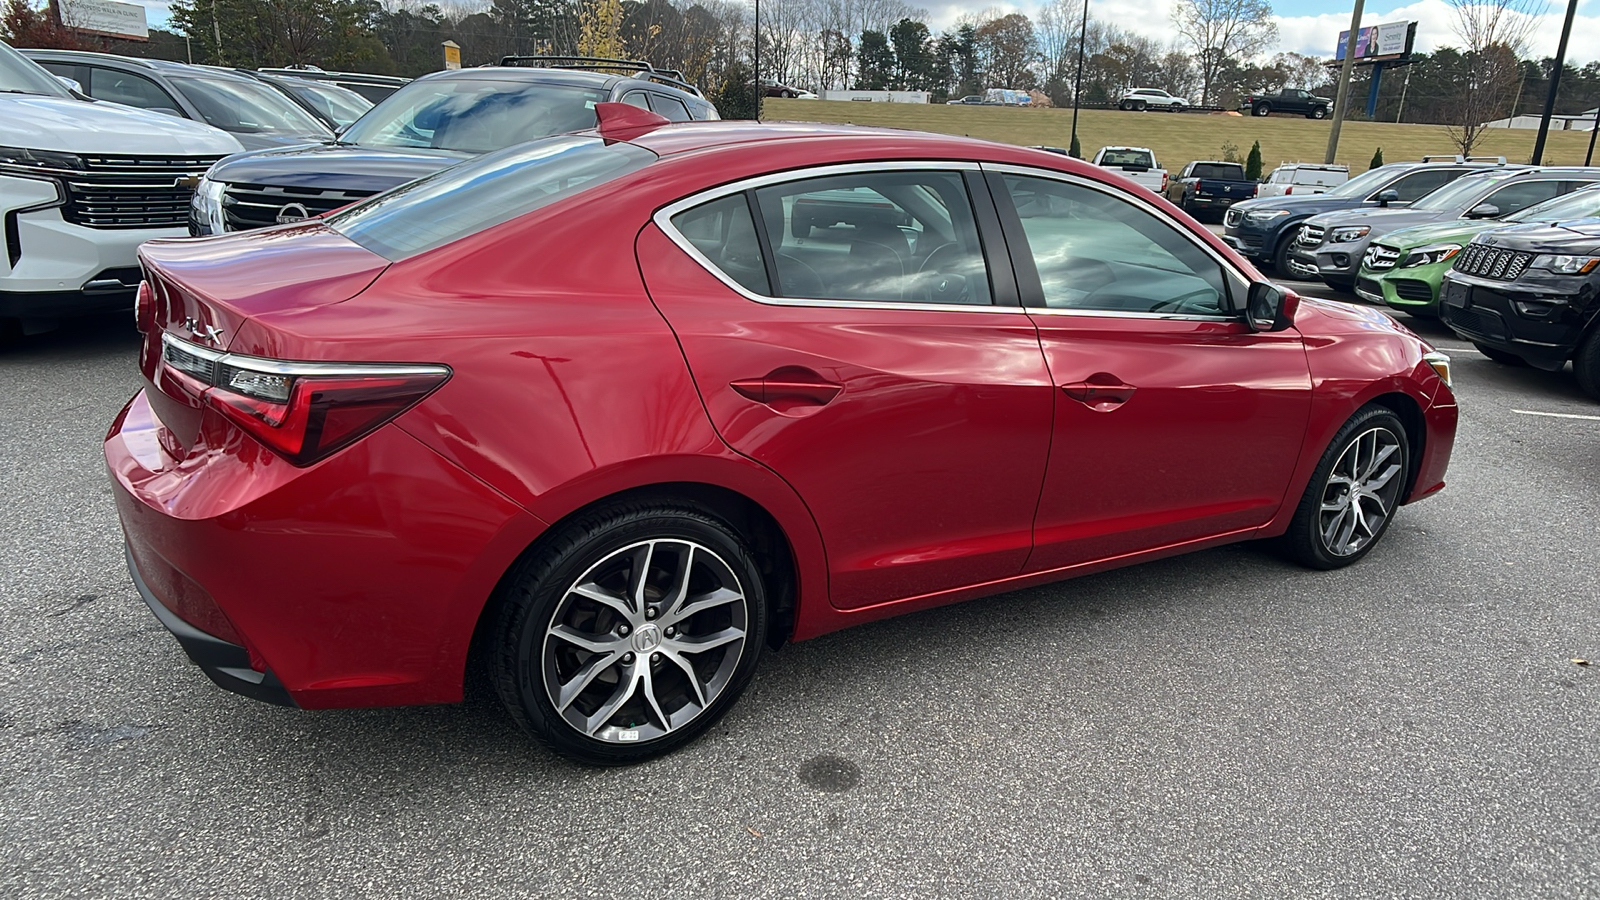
(1179, 138)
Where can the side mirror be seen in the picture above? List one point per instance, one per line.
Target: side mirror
(1385, 198)
(1269, 307)
(71, 83)
(1484, 211)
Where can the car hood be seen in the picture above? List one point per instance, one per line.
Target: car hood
(1455, 231)
(1302, 206)
(1380, 220)
(79, 126)
(270, 141)
(336, 166)
(1571, 236)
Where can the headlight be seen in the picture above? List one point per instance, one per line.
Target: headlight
(1440, 364)
(23, 161)
(1430, 255)
(1265, 215)
(1566, 265)
(206, 205)
(1347, 234)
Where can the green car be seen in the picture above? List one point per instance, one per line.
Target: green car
(1403, 268)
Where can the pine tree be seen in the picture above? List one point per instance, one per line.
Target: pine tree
(1252, 163)
(1377, 159)
(1076, 150)
(737, 99)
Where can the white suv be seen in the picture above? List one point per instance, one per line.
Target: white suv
(1152, 98)
(82, 184)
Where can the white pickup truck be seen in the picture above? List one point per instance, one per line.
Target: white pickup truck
(1138, 164)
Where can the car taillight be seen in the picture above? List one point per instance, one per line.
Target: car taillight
(1288, 190)
(303, 411)
(144, 307)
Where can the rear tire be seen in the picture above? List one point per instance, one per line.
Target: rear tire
(1586, 365)
(1127, 106)
(1262, 109)
(1354, 492)
(594, 647)
(1320, 112)
(1501, 356)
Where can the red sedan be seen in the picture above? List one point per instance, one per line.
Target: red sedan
(595, 410)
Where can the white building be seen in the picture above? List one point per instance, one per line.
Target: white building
(1582, 122)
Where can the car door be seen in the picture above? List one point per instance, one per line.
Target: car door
(874, 358)
(1174, 421)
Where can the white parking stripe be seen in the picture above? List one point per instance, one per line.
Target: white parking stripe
(1531, 412)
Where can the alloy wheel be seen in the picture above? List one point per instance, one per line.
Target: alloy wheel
(1361, 491)
(645, 641)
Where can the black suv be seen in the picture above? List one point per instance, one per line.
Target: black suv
(1262, 228)
(430, 124)
(1530, 294)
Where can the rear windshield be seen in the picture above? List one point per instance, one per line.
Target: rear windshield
(1128, 158)
(472, 116)
(480, 193)
(1224, 171)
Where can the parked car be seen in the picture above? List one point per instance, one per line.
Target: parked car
(336, 107)
(1303, 180)
(376, 88)
(432, 123)
(1530, 294)
(257, 114)
(1152, 98)
(1330, 246)
(771, 88)
(1263, 228)
(81, 185)
(1138, 164)
(1288, 100)
(972, 100)
(1405, 268)
(738, 439)
(1209, 187)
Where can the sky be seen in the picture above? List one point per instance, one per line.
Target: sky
(1304, 26)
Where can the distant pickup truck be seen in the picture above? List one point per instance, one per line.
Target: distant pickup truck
(1137, 164)
(1209, 186)
(1287, 101)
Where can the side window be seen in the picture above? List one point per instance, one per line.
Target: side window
(725, 234)
(1095, 251)
(69, 70)
(897, 237)
(670, 107)
(1514, 197)
(129, 90)
(636, 98)
(1419, 184)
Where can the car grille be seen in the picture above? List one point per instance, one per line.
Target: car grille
(1370, 288)
(1487, 262)
(1233, 218)
(133, 191)
(247, 206)
(1412, 289)
(1311, 235)
(1379, 258)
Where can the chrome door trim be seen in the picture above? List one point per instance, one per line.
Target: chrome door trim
(663, 220)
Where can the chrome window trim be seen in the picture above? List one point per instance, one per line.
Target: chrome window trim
(1227, 266)
(663, 220)
(283, 367)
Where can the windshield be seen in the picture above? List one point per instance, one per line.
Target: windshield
(1224, 171)
(475, 116)
(20, 75)
(246, 107)
(1366, 182)
(1583, 204)
(1459, 192)
(480, 193)
(341, 105)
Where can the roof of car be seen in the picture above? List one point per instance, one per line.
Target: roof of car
(689, 137)
(154, 65)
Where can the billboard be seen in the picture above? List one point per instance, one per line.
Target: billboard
(1375, 41)
(124, 20)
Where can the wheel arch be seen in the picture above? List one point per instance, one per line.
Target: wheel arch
(1409, 412)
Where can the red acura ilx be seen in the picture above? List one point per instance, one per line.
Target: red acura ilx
(620, 410)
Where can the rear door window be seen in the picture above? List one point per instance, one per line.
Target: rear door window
(1420, 184)
(673, 109)
(114, 86)
(1515, 197)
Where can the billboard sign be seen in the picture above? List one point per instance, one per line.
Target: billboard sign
(108, 17)
(1377, 41)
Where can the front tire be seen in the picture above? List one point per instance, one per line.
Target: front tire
(1586, 365)
(1354, 492)
(630, 634)
(1280, 257)
(1320, 112)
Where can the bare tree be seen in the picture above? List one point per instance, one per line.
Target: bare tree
(1056, 27)
(1494, 35)
(1224, 30)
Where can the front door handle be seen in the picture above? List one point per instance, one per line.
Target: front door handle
(789, 387)
(1101, 391)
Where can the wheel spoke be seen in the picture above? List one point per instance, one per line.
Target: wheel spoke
(689, 672)
(585, 677)
(592, 591)
(1377, 482)
(702, 643)
(1332, 528)
(680, 581)
(718, 597)
(649, 681)
(625, 689)
(1377, 459)
(1349, 529)
(639, 575)
(591, 643)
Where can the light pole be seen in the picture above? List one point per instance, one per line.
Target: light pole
(1077, 81)
(757, 79)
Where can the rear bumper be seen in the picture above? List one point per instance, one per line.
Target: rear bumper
(226, 664)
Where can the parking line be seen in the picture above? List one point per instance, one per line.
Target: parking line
(1532, 412)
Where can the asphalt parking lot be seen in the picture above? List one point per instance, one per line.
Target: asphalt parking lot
(1218, 725)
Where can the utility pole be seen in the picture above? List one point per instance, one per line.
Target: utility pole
(1555, 84)
(1594, 129)
(760, 91)
(1344, 84)
(1077, 82)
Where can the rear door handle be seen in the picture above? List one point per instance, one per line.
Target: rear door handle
(1100, 391)
(789, 387)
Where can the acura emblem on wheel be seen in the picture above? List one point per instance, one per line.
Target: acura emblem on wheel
(293, 212)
